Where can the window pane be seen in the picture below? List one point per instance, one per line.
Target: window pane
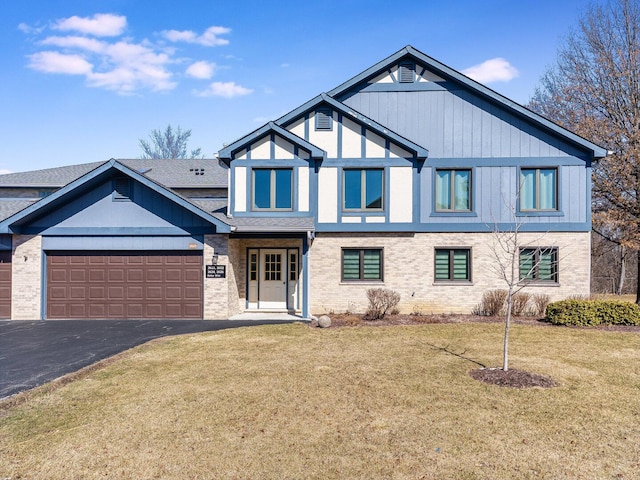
(443, 190)
(462, 190)
(352, 189)
(262, 188)
(351, 264)
(442, 264)
(461, 265)
(527, 259)
(548, 189)
(283, 188)
(371, 265)
(374, 188)
(527, 189)
(546, 266)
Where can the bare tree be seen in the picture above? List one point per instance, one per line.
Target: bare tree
(594, 90)
(168, 143)
(517, 264)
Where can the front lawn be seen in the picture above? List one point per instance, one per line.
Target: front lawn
(292, 402)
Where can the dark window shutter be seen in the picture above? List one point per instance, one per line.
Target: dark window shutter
(323, 119)
(406, 72)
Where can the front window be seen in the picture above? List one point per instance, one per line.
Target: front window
(363, 189)
(453, 265)
(539, 264)
(362, 264)
(538, 189)
(272, 189)
(453, 190)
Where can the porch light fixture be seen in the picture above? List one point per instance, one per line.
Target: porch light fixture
(214, 259)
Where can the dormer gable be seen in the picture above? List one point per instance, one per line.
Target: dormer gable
(270, 142)
(343, 132)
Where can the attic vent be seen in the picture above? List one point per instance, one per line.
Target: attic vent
(122, 189)
(406, 72)
(197, 171)
(323, 119)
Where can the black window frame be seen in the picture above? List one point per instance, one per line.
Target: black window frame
(535, 279)
(361, 278)
(451, 251)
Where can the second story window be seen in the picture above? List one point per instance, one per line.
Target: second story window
(272, 189)
(363, 189)
(453, 190)
(538, 189)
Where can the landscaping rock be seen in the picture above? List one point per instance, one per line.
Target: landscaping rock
(314, 321)
(324, 321)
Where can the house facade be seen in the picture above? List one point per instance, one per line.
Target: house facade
(398, 178)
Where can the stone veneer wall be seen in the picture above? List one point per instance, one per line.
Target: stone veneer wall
(409, 270)
(26, 278)
(218, 292)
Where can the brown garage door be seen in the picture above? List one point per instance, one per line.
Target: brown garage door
(5, 284)
(124, 285)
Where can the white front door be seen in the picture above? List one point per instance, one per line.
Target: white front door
(273, 281)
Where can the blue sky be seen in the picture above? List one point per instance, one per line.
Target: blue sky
(83, 81)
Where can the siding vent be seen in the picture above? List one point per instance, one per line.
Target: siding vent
(122, 189)
(406, 72)
(323, 119)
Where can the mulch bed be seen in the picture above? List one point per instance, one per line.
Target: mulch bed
(511, 378)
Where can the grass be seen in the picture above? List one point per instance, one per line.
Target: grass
(291, 402)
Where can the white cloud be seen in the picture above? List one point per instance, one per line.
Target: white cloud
(203, 70)
(23, 27)
(100, 25)
(86, 46)
(82, 43)
(493, 70)
(224, 89)
(210, 37)
(55, 62)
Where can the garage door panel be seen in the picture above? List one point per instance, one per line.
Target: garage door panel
(116, 293)
(135, 292)
(155, 293)
(77, 293)
(77, 275)
(135, 275)
(97, 293)
(124, 286)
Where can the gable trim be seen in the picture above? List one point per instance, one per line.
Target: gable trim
(227, 153)
(420, 152)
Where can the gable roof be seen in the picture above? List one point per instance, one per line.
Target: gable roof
(227, 152)
(324, 99)
(452, 75)
(173, 173)
(97, 175)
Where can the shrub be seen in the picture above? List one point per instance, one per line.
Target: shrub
(381, 301)
(492, 302)
(520, 303)
(593, 312)
(540, 302)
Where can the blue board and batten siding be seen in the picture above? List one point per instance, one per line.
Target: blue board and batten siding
(95, 220)
(456, 124)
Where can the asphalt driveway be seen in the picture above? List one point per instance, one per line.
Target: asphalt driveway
(35, 352)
